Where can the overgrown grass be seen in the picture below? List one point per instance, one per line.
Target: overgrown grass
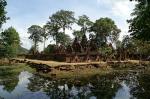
(86, 72)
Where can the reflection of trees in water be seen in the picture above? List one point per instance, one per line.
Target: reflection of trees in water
(10, 85)
(47, 85)
(9, 79)
(142, 89)
(103, 87)
(1, 97)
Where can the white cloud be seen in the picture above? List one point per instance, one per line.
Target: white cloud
(120, 10)
(104, 1)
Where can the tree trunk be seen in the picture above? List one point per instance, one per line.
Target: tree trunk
(44, 43)
(125, 55)
(64, 30)
(56, 40)
(35, 43)
(120, 55)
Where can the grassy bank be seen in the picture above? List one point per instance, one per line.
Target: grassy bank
(78, 73)
(10, 70)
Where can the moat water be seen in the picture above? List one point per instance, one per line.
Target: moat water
(132, 85)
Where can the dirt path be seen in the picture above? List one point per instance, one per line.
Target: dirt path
(55, 63)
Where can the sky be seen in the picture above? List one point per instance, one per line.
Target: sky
(24, 13)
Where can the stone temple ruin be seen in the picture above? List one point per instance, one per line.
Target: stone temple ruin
(79, 51)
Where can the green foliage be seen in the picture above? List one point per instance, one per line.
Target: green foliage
(84, 42)
(142, 91)
(105, 28)
(3, 17)
(35, 32)
(63, 39)
(53, 30)
(2, 49)
(118, 44)
(11, 42)
(78, 34)
(140, 23)
(114, 35)
(102, 30)
(133, 46)
(60, 20)
(9, 75)
(59, 37)
(50, 49)
(45, 34)
(141, 47)
(93, 44)
(63, 19)
(126, 42)
(76, 45)
(85, 23)
(106, 50)
(10, 36)
(10, 51)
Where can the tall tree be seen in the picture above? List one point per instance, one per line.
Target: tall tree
(63, 39)
(78, 34)
(140, 23)
(11, 42)
(53, 30)
(119, 50)
(45, 34)
(105, 28)
(35, 32)
(84, 42)
(127, 46)
(2, 49)
(140, 48)
(85, 23)
(3, 12)
(64, 19)
(51, 48)
(114, 35)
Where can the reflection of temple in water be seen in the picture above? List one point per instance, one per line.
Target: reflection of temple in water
(95, 87)
(107, 86)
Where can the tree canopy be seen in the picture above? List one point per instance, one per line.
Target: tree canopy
(53, 30)
(78, 34)
(85, 23)
(140, 23)
(3, 12)
(10, 42)
(105, 28)
(63, 39)
(45, 34)
(35, 32)
(63, 19)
